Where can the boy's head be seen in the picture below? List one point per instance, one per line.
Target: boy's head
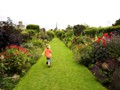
(48, 46)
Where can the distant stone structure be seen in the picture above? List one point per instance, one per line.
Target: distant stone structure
(56, 27)
(20, 25)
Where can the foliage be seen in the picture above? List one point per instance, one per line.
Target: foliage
(67, 37)
(107, 47)
(67, 74)
(69, 28)
(59, 33)
(106, 57)
(98, 49)
(19, 50)
(7, 83)
(86, 56)
(36, 54)
(92, 31)
(9, 34)
(33, 26)
(117, 22)
(13, 60)
(81, 40)
(116, 80)
(43, 34)
(17, 60)
(50, 35)
(82, 54)
(100, 74)
(38, 43)
(78, 29)
(27, 34)
(36, 47)
(100, 54)
(114, 47)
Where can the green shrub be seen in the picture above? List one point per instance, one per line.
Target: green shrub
(7, 83)
(78, 29)
(35, 54)
(28, 45)
(33, 26)
(86, 56)
(100, 74)
(59, 33)
(115, 85)
(14, 59)
(50, 35)
(28, 34)
(36, 42)
(105, 61)
(92, 31)
(110, 50)
(43, 35)
(114, 47)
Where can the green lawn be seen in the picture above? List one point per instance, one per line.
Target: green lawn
(65, 73)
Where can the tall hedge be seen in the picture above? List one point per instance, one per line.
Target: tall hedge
(33, 26)
(97, 30)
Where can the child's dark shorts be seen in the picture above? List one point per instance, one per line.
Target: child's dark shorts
(49, 59)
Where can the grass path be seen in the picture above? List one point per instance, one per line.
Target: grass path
(65, 73)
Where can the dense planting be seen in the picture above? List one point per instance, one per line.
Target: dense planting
(19, 50)
(99, 50)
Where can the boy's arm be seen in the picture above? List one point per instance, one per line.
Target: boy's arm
(50, 51)
(43, 52)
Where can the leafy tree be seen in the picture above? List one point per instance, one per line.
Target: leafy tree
(50, 35)
(117, 22)
(9, 34)
(69, 28)
(43, 34)
(33, 26)
(78, 29)
(59, 33)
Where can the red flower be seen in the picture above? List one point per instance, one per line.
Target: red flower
(104, 42)
(19, 48)
(101, 37)
(24, 50)
(105, 34)
(98, 40)
(13, 46)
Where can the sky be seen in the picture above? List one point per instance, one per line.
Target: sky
(46, 13)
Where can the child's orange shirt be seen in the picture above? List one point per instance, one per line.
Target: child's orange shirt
(48, 53)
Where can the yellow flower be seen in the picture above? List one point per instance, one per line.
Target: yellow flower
(2, 57)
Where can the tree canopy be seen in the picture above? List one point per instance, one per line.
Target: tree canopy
(117, 22)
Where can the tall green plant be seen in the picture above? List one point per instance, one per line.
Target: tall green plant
(114, 47)
(78, 29)
(33, 26)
